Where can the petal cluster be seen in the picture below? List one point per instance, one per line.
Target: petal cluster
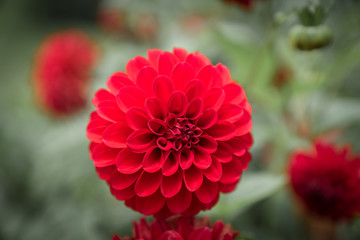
(180, 228)
(170, 133)
(327, 181)
(62, 71)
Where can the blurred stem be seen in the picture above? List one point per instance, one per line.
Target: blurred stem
(279, 19)
(258, 60)
(320, 229)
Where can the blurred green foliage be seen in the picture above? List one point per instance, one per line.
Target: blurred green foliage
(48, 185)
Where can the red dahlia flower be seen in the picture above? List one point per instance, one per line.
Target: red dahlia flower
(180, 228)
(327, 181)
(172, 132)
(246, 4)
(62, 71)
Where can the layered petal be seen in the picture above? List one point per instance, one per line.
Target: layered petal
(182, 74)
(115, 135)
(128, 162)
(134, 66)
(117, 81)
(171, 134)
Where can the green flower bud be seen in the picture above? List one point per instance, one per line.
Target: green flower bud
(309, 38)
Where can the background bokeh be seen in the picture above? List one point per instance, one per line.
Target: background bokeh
(48, 186)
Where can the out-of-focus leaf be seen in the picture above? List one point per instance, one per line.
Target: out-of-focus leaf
(253, 188)
(328, 113)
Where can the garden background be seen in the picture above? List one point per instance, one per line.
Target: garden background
(48, 186)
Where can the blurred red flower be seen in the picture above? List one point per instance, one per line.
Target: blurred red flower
(172, 132)
(180, 228)
(62, 71)
(112, 20)
(327, 181)
(246, 4)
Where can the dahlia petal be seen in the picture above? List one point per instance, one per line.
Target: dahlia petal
(171, 235)
(170, 165)
(110, 111)
(134, 65)
(156, 228)
(194, 88)
(194, 108)
(214, 98)
(244, 125)
(163, 87)
(229, 236)
(180, 53)
(95, 128)
(197, 61)
(105, 173)
(202, 233)
(180, 202)
(116, 237)
(177, 103)
(214, 172)
(224, 152)
(193, 178)
(217, 230)
(103, 156)
(136, 118)
(147, 183)
(207, 119)
(157, 126)
(155, 108)
(226, 188)
(167, 62)
(145, 79)
(121, 181)
(224, 73)
(212, 203)
(153, 56)
(94, 115)
(210, 77)
(116, 134)
(230, 112)
(202, 158)
(128, 97)
(164, 144)
(153, 160)
(186, 158)
(117, 81)
(140, 140)
(123, 194)
(222, 131)
(231, 171)
(238, 145)
(102, 95)
(92, 146)
(207, 143)
(234, 93)
(163, 213)
(150, 204)
(246, 106)
(141, 229)
(208, 191)
(128, 162)
(171, 185)
(245, 160)
(182, 74)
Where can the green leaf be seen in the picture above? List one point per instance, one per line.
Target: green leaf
(253, 188)
(331, 113)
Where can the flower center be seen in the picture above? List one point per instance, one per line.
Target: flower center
(176, 133)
